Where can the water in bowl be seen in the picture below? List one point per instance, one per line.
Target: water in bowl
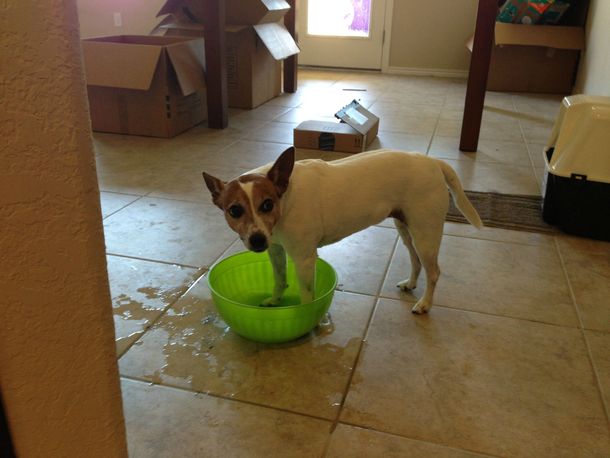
(258, 297)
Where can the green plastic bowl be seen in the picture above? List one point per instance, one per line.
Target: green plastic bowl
(241, 282)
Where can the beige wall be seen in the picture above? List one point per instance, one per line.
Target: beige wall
(594, 73)
(58, 370)
(426, 37)
(428, 34)
(138, 16)
(431, 34)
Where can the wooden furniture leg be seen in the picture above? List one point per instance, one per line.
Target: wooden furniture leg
(216, 63)
(477, 76)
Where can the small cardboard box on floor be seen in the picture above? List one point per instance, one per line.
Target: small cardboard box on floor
(142, 85)
(254, 49)
(357, 129)
(534, 58)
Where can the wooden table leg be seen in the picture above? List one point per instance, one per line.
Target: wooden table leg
(216, 63)
(290, 63)
(477, 76)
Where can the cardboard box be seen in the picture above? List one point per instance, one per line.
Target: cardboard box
(254, 74)
(534, 58)
(237, 12)
(142, 85)
(249, 12)
(253, 58)
(357, 129)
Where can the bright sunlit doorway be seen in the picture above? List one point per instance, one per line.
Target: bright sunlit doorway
(341, 33)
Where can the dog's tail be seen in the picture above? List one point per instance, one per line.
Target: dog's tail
(459, 197)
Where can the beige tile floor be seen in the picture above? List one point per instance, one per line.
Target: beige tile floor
(513, 360)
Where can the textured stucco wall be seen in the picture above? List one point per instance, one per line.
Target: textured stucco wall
(58, 372)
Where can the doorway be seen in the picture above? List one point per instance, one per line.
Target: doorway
(341, 33)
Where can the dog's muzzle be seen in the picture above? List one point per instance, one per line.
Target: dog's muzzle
(258, 242)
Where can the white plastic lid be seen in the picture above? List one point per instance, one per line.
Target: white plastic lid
(581, 138)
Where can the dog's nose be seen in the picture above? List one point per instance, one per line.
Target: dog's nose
(258, 242)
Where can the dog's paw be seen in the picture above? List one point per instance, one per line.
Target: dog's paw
(407, 285)
(421, 307)
(270, 302)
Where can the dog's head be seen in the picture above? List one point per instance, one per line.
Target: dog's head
(251, 202)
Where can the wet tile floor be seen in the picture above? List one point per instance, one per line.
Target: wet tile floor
(513, 360)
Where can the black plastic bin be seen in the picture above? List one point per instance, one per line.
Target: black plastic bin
(576, 185)
(577, 205)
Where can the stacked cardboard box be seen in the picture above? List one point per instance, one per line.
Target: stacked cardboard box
(257, 42)
(537, 58)
(141, 85)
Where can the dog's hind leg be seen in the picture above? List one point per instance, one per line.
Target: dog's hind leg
(277, 256)
(403, 231)
(427, 241)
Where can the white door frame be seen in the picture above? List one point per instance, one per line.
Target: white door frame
(387, 31)
(387, 36)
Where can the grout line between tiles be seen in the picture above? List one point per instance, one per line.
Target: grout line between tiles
(104, 191)
(200, 273)
(169, 263)
(139, 197)
(380, 295)
(221, 255)
(282, 113)
(496, 315)
(121, 193)
(361, 346)
(524, 140)
(512, 242)
(272, 141)
(200, 201)
(489, 239)
(457, 449)
(349, 291)
(229, 145)
(438, 120)
(570, 289)
(224, 397)
(600, 392)
(173, 199)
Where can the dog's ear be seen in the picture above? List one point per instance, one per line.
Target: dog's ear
(279, 173)
(215, 186)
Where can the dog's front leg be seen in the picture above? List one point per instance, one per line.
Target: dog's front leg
(305, 267)
(277, 256)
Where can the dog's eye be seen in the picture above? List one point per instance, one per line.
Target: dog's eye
(267, 206)
(236, 211)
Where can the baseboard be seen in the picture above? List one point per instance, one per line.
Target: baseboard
(439, 72)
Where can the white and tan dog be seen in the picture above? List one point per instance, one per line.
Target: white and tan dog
(295, 207)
